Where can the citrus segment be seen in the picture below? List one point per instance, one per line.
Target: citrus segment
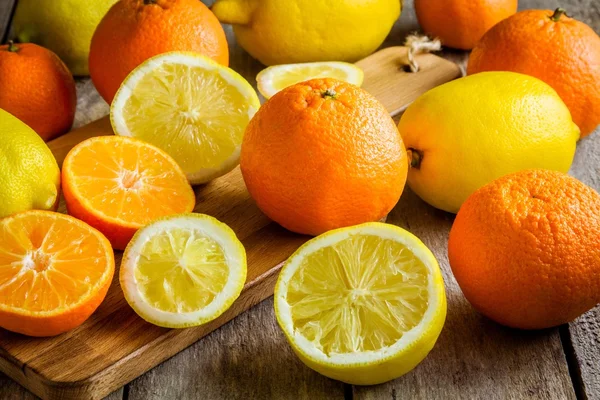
(189, 106)
(363, 304)
(273, 79)
(54, 272)
(120, 184)
(183, 271)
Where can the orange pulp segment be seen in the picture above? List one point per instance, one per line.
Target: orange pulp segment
(54, 272)
(119, 184)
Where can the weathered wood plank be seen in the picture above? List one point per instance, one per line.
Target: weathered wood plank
(10, 390)
(584, 334)
(476, 358)
(6, 10)
(245, 359)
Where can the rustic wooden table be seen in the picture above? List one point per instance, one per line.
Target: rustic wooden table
(474, 358)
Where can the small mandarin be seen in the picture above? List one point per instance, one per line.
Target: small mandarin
(134, 30)
(561, 51)
(525, 249)
(37, 87)
(461, 23)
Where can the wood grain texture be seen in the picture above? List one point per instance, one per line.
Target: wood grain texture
(6, 10)
(115, 346)
(245, 359)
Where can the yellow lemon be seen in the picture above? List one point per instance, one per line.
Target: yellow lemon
(468, 132)
(363, 304)
(183, 270)
(63, 26)
(191, 107)
(296, 31)
(29, 175)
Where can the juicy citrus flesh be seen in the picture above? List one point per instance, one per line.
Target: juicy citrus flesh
(127, 180)
(193, 111)
(181, 270)
(276, 78)
(49, 263)
(363, 304)
(375, 291)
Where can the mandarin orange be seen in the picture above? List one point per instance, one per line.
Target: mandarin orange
(119, 184)
(561, 51)
(134, 30)
(54, 272)
(525, 249)
(323, 154)
(37, 87)
(461, 23)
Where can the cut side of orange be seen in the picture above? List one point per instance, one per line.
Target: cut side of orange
(120, 184)
(54, 272)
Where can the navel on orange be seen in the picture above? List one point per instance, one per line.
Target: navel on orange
(119, 184)
(54, 272)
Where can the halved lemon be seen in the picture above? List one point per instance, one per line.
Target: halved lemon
(191, 107)
(273, 79)
(363, 304)
(183, 271)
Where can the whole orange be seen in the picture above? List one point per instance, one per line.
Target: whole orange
(561, 51)
(525, 249)
(323, 154)
(461, 23)
(134, 30)
(37, 87)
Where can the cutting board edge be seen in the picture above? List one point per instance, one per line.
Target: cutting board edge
(139, 361)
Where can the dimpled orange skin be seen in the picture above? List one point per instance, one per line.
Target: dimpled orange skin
(525, 249)
(565, 54)
(133, 31)
(461, 23)
(37, 87)
(313, 162)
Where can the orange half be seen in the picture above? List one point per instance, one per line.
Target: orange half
(54, 272)
(119, 184)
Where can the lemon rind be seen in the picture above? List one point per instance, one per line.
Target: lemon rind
(235, 256)
(435, 288)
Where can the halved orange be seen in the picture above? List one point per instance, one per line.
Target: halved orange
(119, 184)
(54, 272)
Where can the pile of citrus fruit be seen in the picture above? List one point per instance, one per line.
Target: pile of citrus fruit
(363, 301)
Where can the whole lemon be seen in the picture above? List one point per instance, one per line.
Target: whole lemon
(29, 175)
(468, 132)
(294, 31)
(63, 26)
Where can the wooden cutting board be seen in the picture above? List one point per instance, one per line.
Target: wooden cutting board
(114, 346)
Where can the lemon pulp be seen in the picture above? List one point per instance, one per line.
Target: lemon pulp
(181, 270)
(362, 293)
(189, 106)
(273, 79)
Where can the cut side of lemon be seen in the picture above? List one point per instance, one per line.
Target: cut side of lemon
(183, 271)
(190, 106)
(363, 304)
(276, 78)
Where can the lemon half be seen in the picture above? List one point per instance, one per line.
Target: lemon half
(183, 270)
(274, 79)
(363, 304)
(190, 106)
